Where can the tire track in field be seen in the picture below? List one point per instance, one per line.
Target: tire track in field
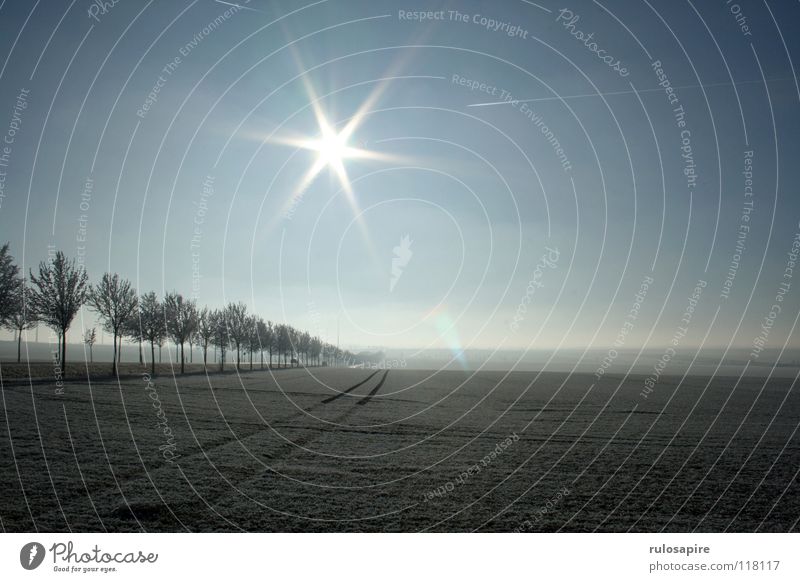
(231, 438)
(369, 396)
(353, 387)
(288, 448)
(310, 437)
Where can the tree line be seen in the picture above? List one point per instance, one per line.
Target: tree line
(55, 294)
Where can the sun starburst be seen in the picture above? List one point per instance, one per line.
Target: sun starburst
(332, 150)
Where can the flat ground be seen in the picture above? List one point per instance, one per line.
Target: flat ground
(362, 450)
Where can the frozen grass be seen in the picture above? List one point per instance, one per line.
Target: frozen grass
(284, 451)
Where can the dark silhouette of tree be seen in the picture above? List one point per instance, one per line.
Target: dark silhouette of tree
(253, 344)
(89, 338)
(268, 339)
(131, 329)
(22, 316)
(115, 301)
(152, 325)
(294, 340)
(10, 283)
(304, 345)
(316, 350)
(262, 335)
(60, 288)
(220, 334)
(181, 321)
(205, 332)
(238, 327)
(283, 342)
(57, 295)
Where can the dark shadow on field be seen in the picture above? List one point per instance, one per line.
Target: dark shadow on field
(38, 373)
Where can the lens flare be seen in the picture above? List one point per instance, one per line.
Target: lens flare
(449, 334)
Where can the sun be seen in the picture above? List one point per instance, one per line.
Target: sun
(332, 140)
(334, 152)
(332, 148)
(332, 145)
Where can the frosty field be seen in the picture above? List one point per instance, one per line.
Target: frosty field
(328, 449)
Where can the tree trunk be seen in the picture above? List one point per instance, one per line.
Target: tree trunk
(64, 352)
(152, 359)
(182, 360)
(114, 357)
(19, 347)
(141, 355)
(119, 351)
(205, 355)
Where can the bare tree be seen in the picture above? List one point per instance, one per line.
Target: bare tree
(253, 344)
(60, 288)
(262, 336)
(220, 335)
(205, 332)
(152, 325)
(304, 345)
(316, 350)
(22, 317)
(181, 321)
(283, 342)
(293, 346)
(115, 301)
(10, 283)
(89, 338)
(268, 339)
(57, 295)
(131, 329)
(238, 329)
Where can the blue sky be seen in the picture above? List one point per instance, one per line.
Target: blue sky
(480, 191)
